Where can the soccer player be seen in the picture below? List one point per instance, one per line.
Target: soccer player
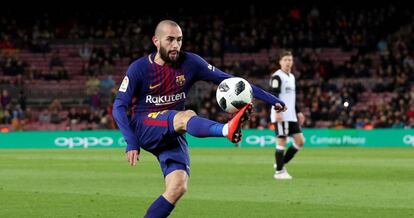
(157, 85)
(288, 123)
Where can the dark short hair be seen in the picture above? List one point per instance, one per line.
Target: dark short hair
(284, 53)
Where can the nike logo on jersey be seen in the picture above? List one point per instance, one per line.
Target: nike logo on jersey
(155, 86)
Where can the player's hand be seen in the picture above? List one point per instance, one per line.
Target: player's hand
(301, 118)
(279, 117)
(279, 108)
(132, 157)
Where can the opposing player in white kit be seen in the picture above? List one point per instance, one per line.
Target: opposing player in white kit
(288, 123)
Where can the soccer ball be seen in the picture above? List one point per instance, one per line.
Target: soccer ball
(233, 94)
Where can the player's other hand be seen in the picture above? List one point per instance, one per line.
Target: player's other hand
(301, 118)
(132, 157)
(279, 108)
(279, 117)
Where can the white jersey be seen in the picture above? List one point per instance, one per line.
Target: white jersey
(283, 85)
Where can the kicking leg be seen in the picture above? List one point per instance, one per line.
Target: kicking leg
(188, 121)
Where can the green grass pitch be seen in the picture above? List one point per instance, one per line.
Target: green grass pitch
(232, 182)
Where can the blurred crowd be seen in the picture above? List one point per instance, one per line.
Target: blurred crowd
(373, 88)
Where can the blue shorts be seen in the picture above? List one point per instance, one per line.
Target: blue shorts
(155, 132)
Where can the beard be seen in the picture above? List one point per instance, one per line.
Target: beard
(165, 55)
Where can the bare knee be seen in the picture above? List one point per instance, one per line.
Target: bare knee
(174, 192)
(300, 143)
(299, 140)
(281, 141)
(178, 190)
(181, 119)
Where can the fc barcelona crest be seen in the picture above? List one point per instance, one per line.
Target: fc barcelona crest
(180, 80)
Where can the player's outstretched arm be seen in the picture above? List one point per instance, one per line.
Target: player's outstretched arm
(261, 94)
(209, 73)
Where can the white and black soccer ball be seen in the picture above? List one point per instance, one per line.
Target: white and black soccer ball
(233, 94)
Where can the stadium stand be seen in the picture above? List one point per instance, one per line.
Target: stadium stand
(63, 73)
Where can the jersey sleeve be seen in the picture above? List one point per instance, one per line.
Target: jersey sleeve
(122, 103)
(275, 85)
(209, 73)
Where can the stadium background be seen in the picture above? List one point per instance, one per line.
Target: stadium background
(60, 71)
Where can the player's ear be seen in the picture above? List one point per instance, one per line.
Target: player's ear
(155, 41)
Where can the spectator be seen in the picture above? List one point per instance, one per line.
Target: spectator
(6, 43)
(5, 98)
(107, 84)
(55, 105)
(73, 116)
(44, 116)
(85, 51)
(2, 111)
(106, 68)
(92, 85)
(54, 116)
(95, 100)
(85, 115)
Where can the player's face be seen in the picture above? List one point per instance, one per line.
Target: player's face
(286, 63)
(170, 44)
